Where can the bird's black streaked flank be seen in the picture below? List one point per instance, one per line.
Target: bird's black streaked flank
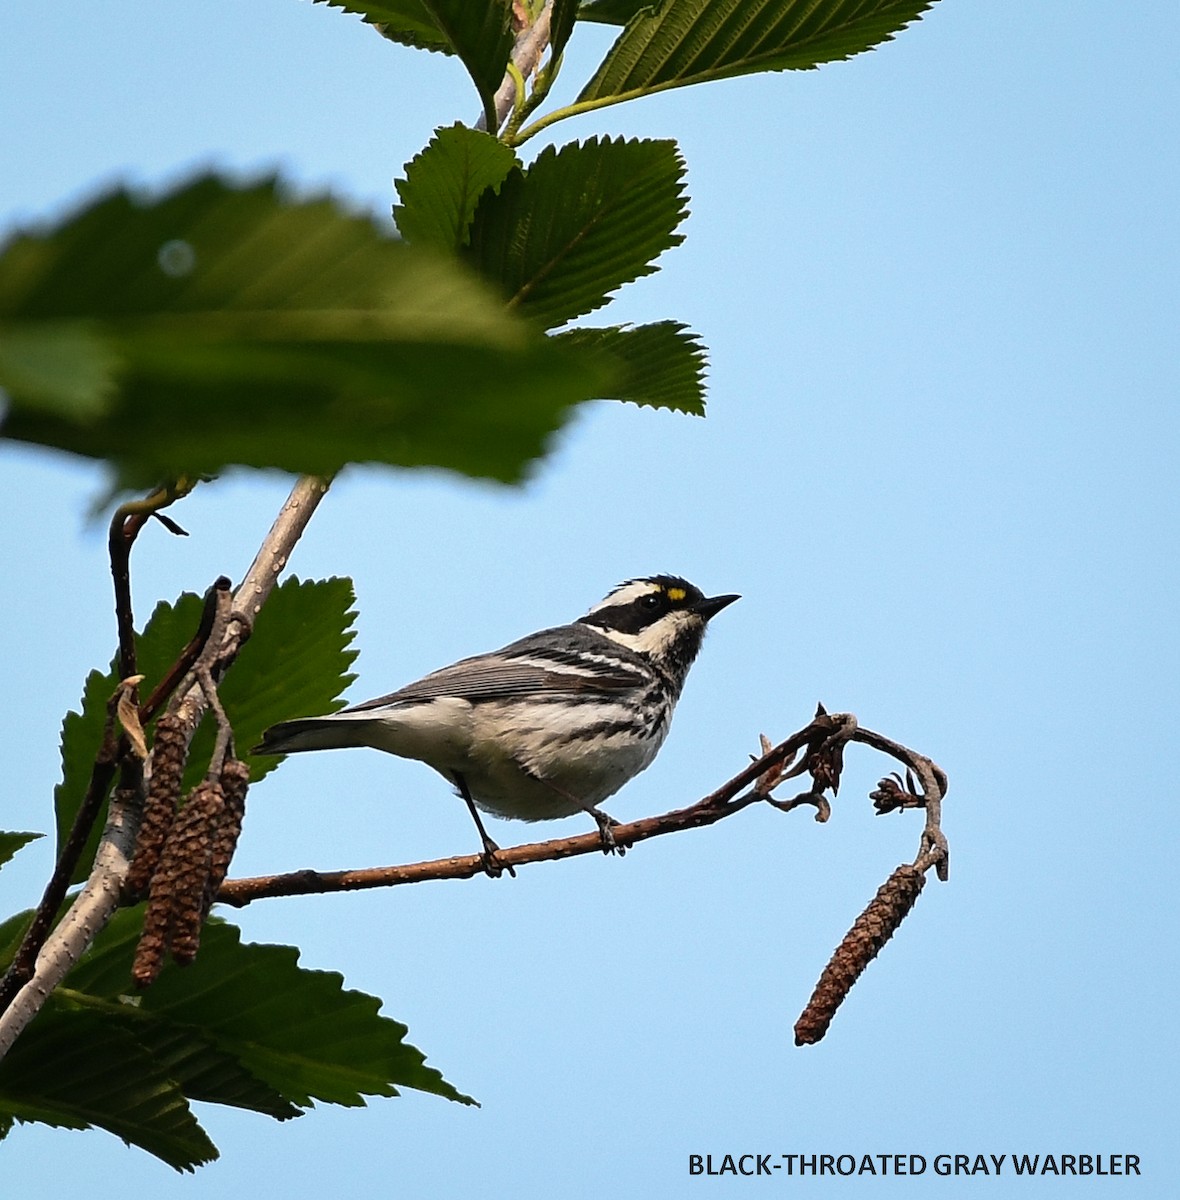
(546, 727)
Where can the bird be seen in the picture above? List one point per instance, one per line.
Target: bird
(548, 726)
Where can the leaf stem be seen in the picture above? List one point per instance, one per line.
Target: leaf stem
(561, 114)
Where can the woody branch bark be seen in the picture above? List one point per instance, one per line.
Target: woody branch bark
(531, 40)
(101, 893)
(114, 754)
(818, 741)
(816, 750)
(896, 896)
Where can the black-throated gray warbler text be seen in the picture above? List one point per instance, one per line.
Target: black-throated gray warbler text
(550, 725)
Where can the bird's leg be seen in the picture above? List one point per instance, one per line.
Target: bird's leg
(605, 832)
(491, 863)
(604, 821)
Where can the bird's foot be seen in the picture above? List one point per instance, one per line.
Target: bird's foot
(493, 865)
(606, 832)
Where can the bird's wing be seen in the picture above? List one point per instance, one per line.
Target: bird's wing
(532, 666)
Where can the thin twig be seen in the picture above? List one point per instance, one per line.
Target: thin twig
(125, 527)
(730, 798)
(128, 520)
(895, 898)
(526, 54)
(20, 970)
(112, 751)
(184, 661)
(100, 895)
(209, 663)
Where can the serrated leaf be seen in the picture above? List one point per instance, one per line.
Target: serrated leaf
(661, 365)
(297, 1030)
(408, 22)
(693, 41)
(443, 185)
(616, 12)
(77, 1069)
(81, 737)
(244, 1026)
(578, 224)
(186, 1053)
(253, 329)
(479, 34)
(483, 39)
(296, 662)
(10, 843)
(201, 1069)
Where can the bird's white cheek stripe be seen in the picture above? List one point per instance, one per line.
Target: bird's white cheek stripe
(655, 639)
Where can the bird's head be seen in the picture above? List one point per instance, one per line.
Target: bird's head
(661, 617)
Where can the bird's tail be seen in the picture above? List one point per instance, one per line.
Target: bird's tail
(314, 733)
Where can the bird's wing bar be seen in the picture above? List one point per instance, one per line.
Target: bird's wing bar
(493, 677)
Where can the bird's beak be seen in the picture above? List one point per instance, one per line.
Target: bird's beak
(710, 606)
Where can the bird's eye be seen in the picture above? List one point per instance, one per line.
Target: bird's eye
(650, 601)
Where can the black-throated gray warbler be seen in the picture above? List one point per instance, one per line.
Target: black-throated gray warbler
(548, 726)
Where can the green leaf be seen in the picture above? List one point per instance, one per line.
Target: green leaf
(12, 932)
(408, 22)
(249, 328)
(201, 1069)
(77, 1069)
(296, 1029)
(443, 185)
(61, 367)
(10, 843)
(480, 34)
(579, 223)
(693, 41)
(562, 19)
(658, 366)
(617, 12)
(294, 664)
(482, 37)
(81, 737)
(243, 1026)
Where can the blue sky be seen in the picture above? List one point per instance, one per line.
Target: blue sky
(939, 288)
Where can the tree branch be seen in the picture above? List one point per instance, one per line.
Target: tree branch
(896, 896)
(819, 739)
(526, 54)
(100, 895)
(816, 750)
(126, 524)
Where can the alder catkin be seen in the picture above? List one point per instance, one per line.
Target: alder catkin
(190, 848)
(153, 941)
(871, 930)
(169, 752)
(175, 905)
(173, 917)
(235, 780)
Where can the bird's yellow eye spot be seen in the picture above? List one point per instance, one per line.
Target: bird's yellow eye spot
(676, 593)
